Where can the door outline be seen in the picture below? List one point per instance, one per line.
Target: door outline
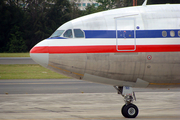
(134, 21)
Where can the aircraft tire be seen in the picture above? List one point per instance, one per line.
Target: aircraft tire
(122, 110)
(130, 111)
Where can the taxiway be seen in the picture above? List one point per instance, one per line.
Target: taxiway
(87, 106)
(16, 60)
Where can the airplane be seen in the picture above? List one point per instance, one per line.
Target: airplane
(132, 47)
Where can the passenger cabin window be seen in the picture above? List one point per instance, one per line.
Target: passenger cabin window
(78, 33)
(68, 33)
(172, 33)
(164, 33)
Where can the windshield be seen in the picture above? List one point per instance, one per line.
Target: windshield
(68, 33)
(57, 33)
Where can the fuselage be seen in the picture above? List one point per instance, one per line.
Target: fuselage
(134, 46)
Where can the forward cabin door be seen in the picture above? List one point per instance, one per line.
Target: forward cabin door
(125, 34)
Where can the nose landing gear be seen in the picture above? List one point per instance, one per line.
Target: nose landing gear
(129, 110)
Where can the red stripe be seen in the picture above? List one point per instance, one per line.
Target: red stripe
(104, 49)
(39, 49)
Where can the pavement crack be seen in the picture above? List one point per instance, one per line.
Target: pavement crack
(47, 110)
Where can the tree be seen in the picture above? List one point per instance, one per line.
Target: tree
(74, 10)
(90, 9)
(16, 43)
(10, 15)
(34, 19)
(34, 22)
(43, 18)
(110, 4)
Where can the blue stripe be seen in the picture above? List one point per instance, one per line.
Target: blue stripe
(100, 33)
(128, 33)
(125, 34)
(56, 38)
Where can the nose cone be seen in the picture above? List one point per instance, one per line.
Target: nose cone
(40, 58)
(39, 53)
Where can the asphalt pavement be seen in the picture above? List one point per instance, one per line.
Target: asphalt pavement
(60, 86)
(16, 60)
(87, 106)
(52, 86)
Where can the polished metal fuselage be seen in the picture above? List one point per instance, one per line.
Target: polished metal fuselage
(162, 69)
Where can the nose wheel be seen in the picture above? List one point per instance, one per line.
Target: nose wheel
(129, 110)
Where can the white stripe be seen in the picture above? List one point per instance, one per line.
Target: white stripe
(107, 41)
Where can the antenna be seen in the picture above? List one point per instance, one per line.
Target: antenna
(145, 3)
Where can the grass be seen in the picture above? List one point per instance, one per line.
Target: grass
(27, 72)
(14, 55)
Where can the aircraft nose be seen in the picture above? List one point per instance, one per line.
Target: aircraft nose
(39, 53)
(40, 58)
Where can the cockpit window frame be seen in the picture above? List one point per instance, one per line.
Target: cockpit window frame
(71, 32)
(81, 31)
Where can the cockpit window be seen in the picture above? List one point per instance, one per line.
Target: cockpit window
(78, 33)
(68, 33)
(57, 33)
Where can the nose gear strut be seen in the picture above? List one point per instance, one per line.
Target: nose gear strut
(129, 110)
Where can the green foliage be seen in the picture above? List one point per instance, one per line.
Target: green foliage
(16, 43)
(90, 9)
(14, 55)
(106, 4)
(35, 20)
(27, 72)
(10, 15)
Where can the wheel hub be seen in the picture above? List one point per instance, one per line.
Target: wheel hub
(131, 111)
